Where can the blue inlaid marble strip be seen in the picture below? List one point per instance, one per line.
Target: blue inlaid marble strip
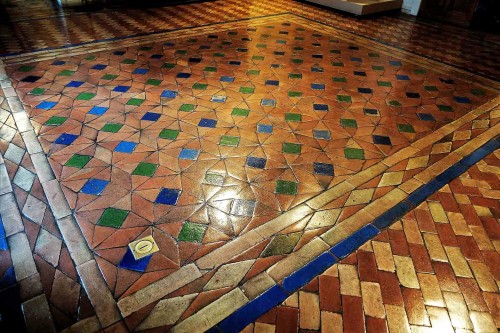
(250, 312)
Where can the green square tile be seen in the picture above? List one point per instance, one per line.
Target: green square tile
(128, 61)
(478, 92)
(214, 179)
(297, 61)
(109, 77)
(384, 84)
(339, 79)
(298, 48)
(85, 96)
(240, 112)
(253, 72)
(192, 232)
(294, 94)
(153, 82)
(445, 108)
(37, 91)
(111, 127)
(293, 117)
(258, 57)
(145, 169)
(378, 68)
(78, 161)
(219, 55)
(210, 69)
(25, 68)
(168, 65)
(295, 76)
(335, 51)
(66, 72)
(350, 123)
(299, 38)
(135, 101)
(394, 103)
(187, 107)
(406, 128)
(247, 90)
(226, 43)
(291, 148)
(337, 64)
(354, 153)
(420, 71)
(286, 187)
(169, 134)
(112, 217)
(181, 52)
(55, 121)
(373, 55)
(431, 88)
(200, 86)
(227, 140)
(90, 57)
(344, 98)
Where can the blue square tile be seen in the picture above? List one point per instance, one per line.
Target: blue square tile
(272, 83)
(195, 60)
(58, 63)
(268, 102)
(371, 112)
(235, 62)
(355, 59)
(462, 100)
(94, 186)
(320, 107)
(119, 53)
(66, 139)
(74, 84)
(302, 276)
(256, 162)
(169, 44)
(280, 53)
(31, 78)
(189, 154)
(262, 128)
(228, 79)
(317, 69)
(402, 77)
(128, 262)
(218, 99)
(125, 147)
(140, 71)
(359, 73)
(46, 105)
(3, 239)
(99, 67)
(168, 196)
(205, 122)
(276, 66)
(426, 117)
(322, 134)
(204, 47)
(156, 56)
(151, 116)
(323, 169)
(353, 48)
(365, 90)
(354, 241)
(183, 75)
(395, 63)
(169, 94)
(317, 86)
(412, 95)
(121, 89)
(317, 56)
(381, 140)
(98, 110)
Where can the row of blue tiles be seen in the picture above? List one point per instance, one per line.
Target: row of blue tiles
(250, 312)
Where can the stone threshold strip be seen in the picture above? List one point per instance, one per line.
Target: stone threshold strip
(237, 309)
(101, 298)
(155, 37)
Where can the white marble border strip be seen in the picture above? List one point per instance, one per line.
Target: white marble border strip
(99, 294)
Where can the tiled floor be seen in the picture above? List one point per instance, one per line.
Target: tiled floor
(164, 181)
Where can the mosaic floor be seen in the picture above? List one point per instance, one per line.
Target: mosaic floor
(190, 180)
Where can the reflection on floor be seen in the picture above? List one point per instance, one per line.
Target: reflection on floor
(218, 177)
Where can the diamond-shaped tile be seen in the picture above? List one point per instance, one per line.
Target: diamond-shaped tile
(98, 110)
(262, 128)
(323, 169)
(46, 105)
(381, 140)
(129, 262)
(349, 123)
(189, 154)
(191, 232)
(322, 134)
(145, 169)
(168, 196)
(78, 161)
(240, 112)
(66, 139)
(286, 187)
(293, 117)
(111, 127)
(354, 153)
(135, 101)
(55, 121)
(125, 147)
(205, 122)
(241, 207)
(291, 148)
(85, 96)
(227, 140)
(94, 186)
(151, 116)
(256, 162)
(112, 217)
(169, 134)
